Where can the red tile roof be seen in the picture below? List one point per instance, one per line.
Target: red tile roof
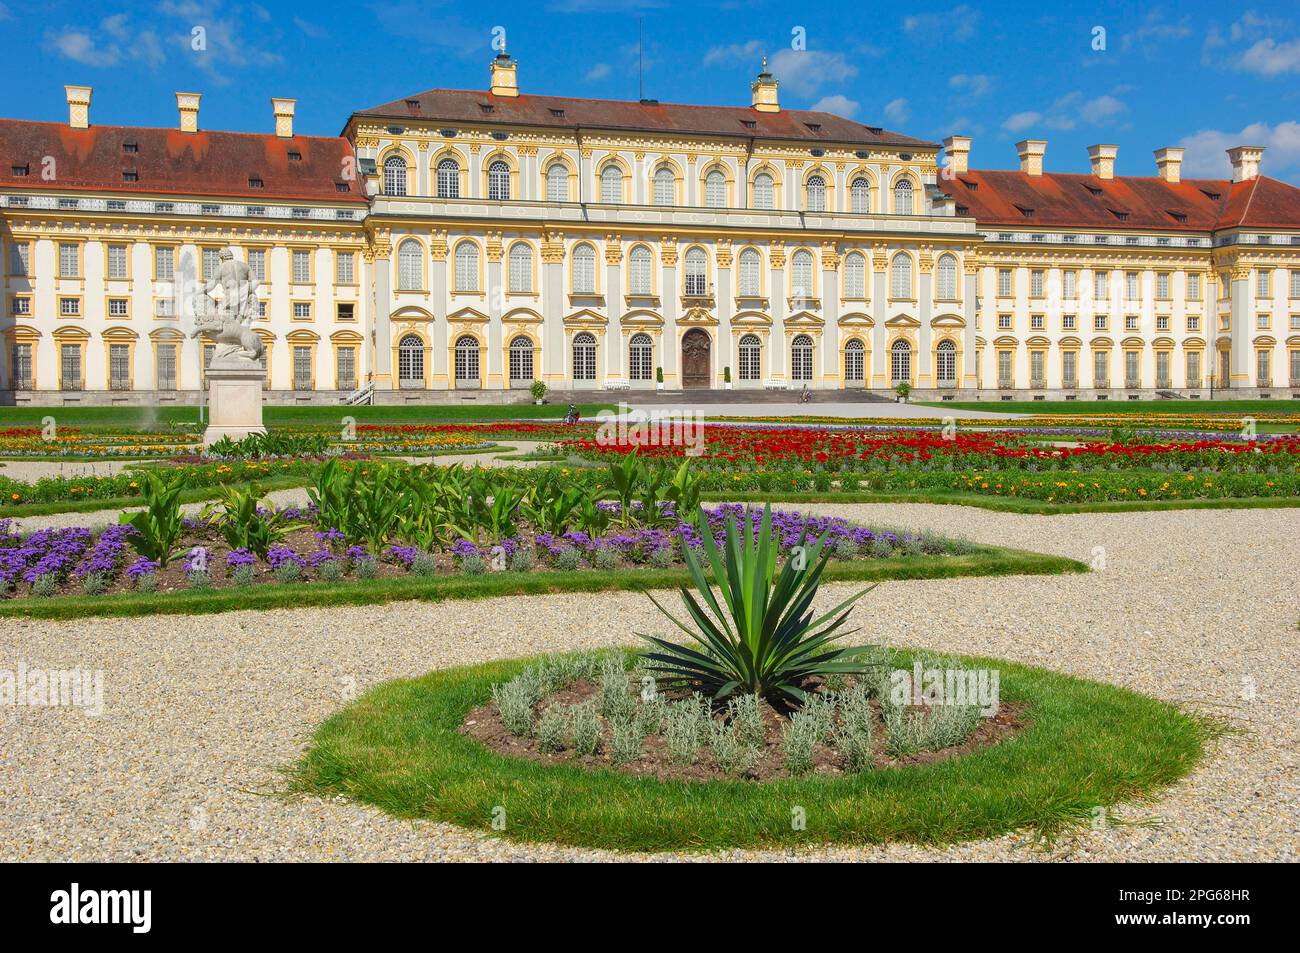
(169, 161)
(1073, 200)
(466, 106)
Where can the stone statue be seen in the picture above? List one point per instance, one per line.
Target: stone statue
(226, 319)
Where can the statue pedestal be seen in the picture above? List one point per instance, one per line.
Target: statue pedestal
(234, 400)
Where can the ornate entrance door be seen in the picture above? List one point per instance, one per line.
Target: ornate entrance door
(695, 358)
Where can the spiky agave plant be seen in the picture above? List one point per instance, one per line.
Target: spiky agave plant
(763, 637)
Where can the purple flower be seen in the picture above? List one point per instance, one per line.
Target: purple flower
(403, 554)
(141, 567)
(277, 556)
(240, 557)
(464, 547)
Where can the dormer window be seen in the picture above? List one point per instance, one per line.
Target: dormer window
(557, 113)
(130, 176)
(973, 186)
(21, 170)
(1026, 212)
(1212, 196)
(486, 107)
(814, 126)
(963, 210)
(254, 182)
(413, 104)
(749, 123)
(1096, 192)
(295, 156)
(130, 148)
(1122, 216)
(1179, 217)
(342, 187)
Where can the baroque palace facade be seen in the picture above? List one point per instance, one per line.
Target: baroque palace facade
(466, 243)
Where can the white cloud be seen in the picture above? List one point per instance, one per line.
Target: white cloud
(1019, 122)
(1102, 108)
(1205, 157)
(805, 71)
(1253, 44)
(310, 29)
(750, 50)
(597, 72)
(896, 110)
(111, 44)
(1271, 58)
(837, 104)
(972, 84)
(1156, 33)
(958, 23)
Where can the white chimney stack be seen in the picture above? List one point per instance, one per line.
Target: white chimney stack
(188, 104)
(957, 150)
(1169, 164)
(78, 106)
(283, 109)
(1103, 160)
(1245, 162)
(1031, 155)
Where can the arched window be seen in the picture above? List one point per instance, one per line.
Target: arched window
(394, 176)
(640, 269)
(903, 197)
(466, 360)
(499, 181)
(521, 362)
(467, 267)
(584, 269)
(611, 184)
(860, 195)
(815, 194)
(946, 280)
(557, 182)
(448, 179)
(855, 276)
(640, 357)
(763, 191)
(900, 363)
(900, 277)
(410, 361)
(801, 358)
(946, 363)
(801, 275)
(665, 186)
(697, 272)
(854, 361)
(751, 273)
(521, 268)
(410, 276)
(751, 358)
(715, 189)
(584, 356)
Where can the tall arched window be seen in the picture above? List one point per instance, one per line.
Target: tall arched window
(394, 176)
(815, 194)
(410, 259)
(751, 277)
(900, 363)
(611, 184)
(763, 191)
(697, 272)
(410, 361)
(557, 182)
(855, 276)
(448, 179)
(801, 275)
(521, 268)
(945, 363)
(946, 278)
(499, 181)
(640, 271)
(584, 356)
(715, 189)
(801, 358)
(860, 195)
(640, 357)
(521, 362)
(584, 269)
(751, 358)
(854, 361)
(466, 360)
(467, 267)
(903, 197)
(900, 277)
(665, 186)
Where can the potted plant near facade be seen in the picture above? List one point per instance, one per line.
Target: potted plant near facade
(726, 378)
(902, 390)
(659, 378)
(538, 390)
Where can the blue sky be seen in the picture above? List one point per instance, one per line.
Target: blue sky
(1202, 75)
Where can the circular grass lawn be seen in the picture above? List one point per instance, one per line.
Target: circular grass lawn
(1086, 745)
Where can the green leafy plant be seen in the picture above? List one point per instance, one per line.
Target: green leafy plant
(241, 523)
(902, 389)
(159, 525)
(538, 390)
(766, 640)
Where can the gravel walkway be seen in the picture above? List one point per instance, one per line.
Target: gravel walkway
(202, 713)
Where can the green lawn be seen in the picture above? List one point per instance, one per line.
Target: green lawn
(1078, 408)
(161, 418)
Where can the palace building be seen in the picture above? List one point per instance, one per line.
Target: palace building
(464, 243)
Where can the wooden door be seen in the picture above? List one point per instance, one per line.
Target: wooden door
(696, 364)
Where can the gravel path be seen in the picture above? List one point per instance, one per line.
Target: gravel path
(29, 471)
(202, 713)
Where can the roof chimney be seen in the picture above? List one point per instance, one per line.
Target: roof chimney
(504, 80)
(1031, 155)
(1103, 160)
(1169, 164)
(957, 151)
(78, 106)
(1245, 162)
(764, 91)
(188, 104)
(283, 109)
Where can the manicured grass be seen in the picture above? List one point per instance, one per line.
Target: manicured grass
(1087, 745)
(988, 561)
(92, 504)
(155, 418)
(1009, 504)
(1080, 408)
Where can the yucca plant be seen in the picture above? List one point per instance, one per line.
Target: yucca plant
(762, 638)
(158, 527)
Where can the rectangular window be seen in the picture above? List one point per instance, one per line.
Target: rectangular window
(346, 368)
(1263, 368)
(69, 260)
(1036, 322)
(1262, 322)
(1131, 367)
(261, 310)
(1131, 285)
(69, 307)
(1037, 368)
(1036, 283)
(165, 369)
(1069, 369)
(1100, 371)
(302, 368)
(1193, 368)
(209, 261)
(1099, 285)
(70, 365)
(118, 307)
(1262, 284)
(1295, 283)
(20, 367)
(302, 310)
(1162, 286)
(20, 306)
(20, 259)
(1193, 322)
(117, 267)
(1004, 322)
(1130, 322)
(1069, 284)
(164, 308)
(257, 263)
(1162, 368)
(1067, 322)
(1004, 369)
(345, 311)
(301, 267)
(164, 263)
(1162, 322)
(1004, 282)
(344, 268)
(119, 367)
(1099, 322)
(1193, 287)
